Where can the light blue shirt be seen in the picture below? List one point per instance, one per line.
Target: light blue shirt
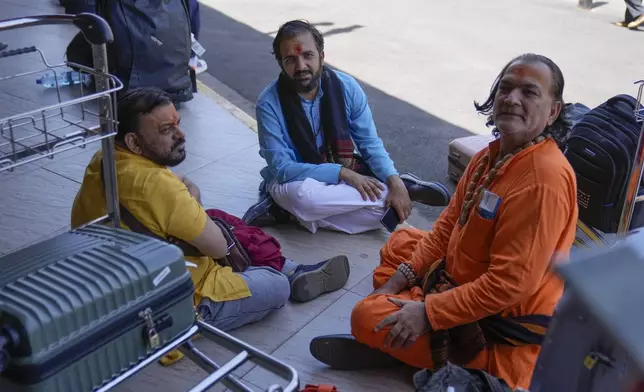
(285, 164)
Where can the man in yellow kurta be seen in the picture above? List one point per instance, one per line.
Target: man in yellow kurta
(149, 141)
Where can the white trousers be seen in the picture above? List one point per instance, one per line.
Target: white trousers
(336, 207)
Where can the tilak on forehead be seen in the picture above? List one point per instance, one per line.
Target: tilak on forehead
(529, 70)
(298, 48)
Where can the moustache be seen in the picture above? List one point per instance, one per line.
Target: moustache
(303, 73)
(178, 144)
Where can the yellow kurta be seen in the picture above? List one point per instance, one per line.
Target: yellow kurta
(162, 203)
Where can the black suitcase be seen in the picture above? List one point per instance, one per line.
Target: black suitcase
(80, 308)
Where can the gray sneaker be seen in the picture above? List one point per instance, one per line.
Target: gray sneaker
(310, 281)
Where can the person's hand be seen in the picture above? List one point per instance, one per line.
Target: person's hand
(369, 187)
(408, 324)
(397, 283)
(193, 189)
(398, 198)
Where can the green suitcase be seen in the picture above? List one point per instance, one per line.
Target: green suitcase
(81, 308)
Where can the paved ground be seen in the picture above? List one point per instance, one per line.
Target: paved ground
(36, 199)
(423, 63)
(421, 67)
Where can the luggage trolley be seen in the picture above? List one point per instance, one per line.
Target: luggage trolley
(635, 176)
(75, 122)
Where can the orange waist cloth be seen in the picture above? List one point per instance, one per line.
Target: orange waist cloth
(513, 364)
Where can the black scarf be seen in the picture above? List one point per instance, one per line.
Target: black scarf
(338, 146)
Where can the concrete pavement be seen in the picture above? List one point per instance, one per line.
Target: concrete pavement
(36, 200)
(422, 64)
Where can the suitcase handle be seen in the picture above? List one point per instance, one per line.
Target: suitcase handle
(95, 29)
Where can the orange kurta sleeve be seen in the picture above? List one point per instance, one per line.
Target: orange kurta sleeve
(529, 228)
(433, 246)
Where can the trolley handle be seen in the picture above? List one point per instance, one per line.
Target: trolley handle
(16, 52)
(95, 29)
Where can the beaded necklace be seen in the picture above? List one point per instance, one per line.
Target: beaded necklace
(472, 194)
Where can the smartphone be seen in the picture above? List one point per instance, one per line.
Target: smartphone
(390, 219)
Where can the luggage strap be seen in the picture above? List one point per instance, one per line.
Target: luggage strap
(136, 226)
(592, 234)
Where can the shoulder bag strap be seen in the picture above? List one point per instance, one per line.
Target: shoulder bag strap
(136, 226)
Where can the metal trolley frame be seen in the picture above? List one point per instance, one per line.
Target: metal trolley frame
(635, 176)
(30, 136)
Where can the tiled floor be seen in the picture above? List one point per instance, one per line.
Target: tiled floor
(35, 203)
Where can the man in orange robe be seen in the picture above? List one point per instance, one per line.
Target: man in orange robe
(514, 211)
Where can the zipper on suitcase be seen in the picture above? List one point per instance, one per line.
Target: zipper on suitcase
(34, 374)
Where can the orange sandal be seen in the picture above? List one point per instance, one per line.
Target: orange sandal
(319, 388)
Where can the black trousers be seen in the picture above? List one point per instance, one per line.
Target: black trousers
(634, 9)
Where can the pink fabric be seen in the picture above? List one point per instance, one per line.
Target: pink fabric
(263, 249)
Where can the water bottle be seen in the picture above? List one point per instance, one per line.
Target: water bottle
(66, 78)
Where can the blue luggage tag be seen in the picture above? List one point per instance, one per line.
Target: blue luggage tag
(489, 204)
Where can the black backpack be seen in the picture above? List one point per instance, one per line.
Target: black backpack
(601, 150)
(151, 48)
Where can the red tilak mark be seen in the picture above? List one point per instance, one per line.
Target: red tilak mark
(298, 49)
(532, 71)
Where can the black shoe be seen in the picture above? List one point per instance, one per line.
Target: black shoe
(266, 213)
(426, 192)
(344, 352)
(310, 281)
(3, 46)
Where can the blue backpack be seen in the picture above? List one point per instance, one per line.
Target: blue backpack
(152, 40)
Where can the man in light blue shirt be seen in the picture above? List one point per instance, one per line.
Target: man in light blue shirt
(311, 121)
